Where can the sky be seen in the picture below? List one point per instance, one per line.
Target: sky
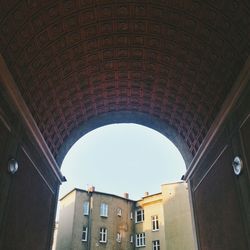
(122, 158)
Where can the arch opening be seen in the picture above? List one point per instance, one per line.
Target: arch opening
(121, 158)
(126, 117)
(130, 168)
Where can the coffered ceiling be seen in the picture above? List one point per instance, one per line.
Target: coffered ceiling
(175, 60)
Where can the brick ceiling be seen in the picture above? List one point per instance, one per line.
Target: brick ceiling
(175, 60)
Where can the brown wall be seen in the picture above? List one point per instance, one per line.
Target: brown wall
(72, 220)
(28, 198)
(220, 198)
(113, 222)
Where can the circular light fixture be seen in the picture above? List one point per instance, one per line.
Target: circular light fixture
(237, 165)
(12, 166)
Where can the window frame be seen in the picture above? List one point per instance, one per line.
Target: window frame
(155, 223)
(131, 215)
(141, 211)
(86, 208)
(140, 240)
(119, 212)
(103, 235)
(156, 245)
(84, 232)
(104, 209)
(118, 237)
(131, 238)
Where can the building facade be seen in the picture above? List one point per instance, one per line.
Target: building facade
(96, 220)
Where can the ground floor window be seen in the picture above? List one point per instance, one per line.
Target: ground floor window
(156, 245)
(140, 240)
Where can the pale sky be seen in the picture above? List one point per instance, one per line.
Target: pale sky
(122, 158)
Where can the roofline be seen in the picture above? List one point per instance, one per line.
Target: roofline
(96, 192)
(150, 195)
(71, 191)
(117, 196)
(174, 182)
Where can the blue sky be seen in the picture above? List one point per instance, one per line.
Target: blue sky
(122, 158)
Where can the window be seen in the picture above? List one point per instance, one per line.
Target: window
(118, 237)
(84, 233)
(119, 211)
(156, 245)
(103, 235)
(131, 238)
(104, 210)
(139, 215)
(140, 240)
(131, 215)
(85, 207)
(155, 223)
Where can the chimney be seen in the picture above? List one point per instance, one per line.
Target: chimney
(146, 194)
(126, 195)
(91, 189)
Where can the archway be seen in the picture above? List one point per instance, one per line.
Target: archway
(64, 63)
(142, 161)
(122, 158)
(127, 117)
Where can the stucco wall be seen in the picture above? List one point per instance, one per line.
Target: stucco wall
(113, 222)
(66, 220)
(171, 206)
(152, 205)
(178, 224)
(70, 236)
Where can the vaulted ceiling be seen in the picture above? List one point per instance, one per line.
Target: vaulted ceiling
(74, 60)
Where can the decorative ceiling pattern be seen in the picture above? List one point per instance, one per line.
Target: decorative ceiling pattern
(175, 60)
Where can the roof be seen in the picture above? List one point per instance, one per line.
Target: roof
(95, 192)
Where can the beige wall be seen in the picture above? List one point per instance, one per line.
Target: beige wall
(55, 236)
(65, 225)
(79, 221)
(178, 224)
(171, 206)
(152, 205)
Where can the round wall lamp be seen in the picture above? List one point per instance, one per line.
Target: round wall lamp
(237, 165)
(12, 166)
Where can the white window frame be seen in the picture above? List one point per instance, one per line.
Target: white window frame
(139, 212)
(85, 208)
(103, 235)
(156, 245)
(118, 237)
(140, 240)
(119, 212)
(84, 233)
(155, 223)
(131, 216)
(131, 238)
(104, 210)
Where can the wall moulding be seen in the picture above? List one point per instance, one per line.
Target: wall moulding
(227, 107)
(26, 117)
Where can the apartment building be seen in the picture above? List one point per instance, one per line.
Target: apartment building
(95, 220)
(163, 220)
